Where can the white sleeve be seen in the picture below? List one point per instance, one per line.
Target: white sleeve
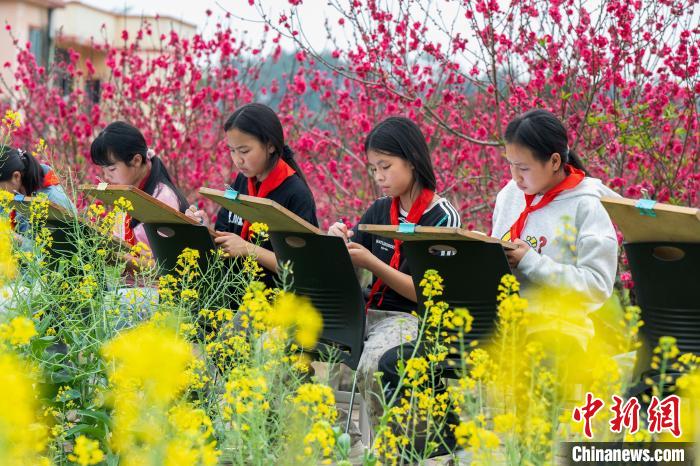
(495, 217)
(594, 272)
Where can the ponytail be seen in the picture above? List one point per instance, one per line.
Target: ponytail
(17, 160)
(33, 175)
(120, 141)
(573, 159)
(288, 157)
(159, 174)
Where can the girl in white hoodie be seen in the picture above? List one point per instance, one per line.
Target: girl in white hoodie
(551, 209)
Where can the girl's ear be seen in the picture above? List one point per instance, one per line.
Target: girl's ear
(17, 178)
(137, 161)
(556, 161)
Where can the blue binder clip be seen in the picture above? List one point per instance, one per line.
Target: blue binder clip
(231, 194)
(407, 228)
(646, 207)
(19, 197)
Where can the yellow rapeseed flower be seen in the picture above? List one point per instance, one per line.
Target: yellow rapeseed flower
(22, 437)
(316, 401)
(416, 371)
(153, 358)
(298, 314)
(245, 392)
(187, 266)
(123, 205)
(86, 452)
(18, 331)
(12, 120)
(8, 267)
(259, 231)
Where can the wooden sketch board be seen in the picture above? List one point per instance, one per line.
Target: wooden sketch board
(147, 209)
(423, 233)
(56, 212)
(260, 209)
(660, 222)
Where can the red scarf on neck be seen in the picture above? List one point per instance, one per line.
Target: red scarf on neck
(574, 177)
(129, 236)
(425, 198)
(280, 172)
(50, 179)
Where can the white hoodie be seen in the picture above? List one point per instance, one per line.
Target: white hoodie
(574, 245)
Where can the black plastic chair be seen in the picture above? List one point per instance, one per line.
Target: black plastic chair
(323, 272)
(471, 272)
(666, 278)
(167, 241)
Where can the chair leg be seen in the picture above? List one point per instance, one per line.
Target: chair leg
(365, 426)
(352, 401)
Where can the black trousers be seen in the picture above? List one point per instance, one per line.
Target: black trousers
(388, 366)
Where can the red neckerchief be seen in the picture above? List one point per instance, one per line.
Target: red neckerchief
(425, 198)
(129, 236)
(50, 179)
(574, 177)
(280, 172)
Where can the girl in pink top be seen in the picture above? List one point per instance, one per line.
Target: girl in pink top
(121, 150)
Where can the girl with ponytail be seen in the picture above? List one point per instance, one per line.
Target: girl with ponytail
(551, 209)
(399, 159)
(266, 168)
(21, 173)
(121, 150)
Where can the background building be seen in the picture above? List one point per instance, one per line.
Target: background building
(53, 27)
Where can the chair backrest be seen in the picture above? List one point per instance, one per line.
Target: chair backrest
(167, 241)
(471, 272)
(666, 278)
(323, 272)
(62, 233)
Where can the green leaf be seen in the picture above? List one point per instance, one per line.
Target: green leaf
(97, 415)
(88, 430)
(71, 394)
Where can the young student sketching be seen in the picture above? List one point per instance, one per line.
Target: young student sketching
(21, 173)
(548, 185)
(399, 159)
(266, 168)
(549, 198)
(121, 150)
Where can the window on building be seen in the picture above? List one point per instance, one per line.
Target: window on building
(64, 80)
(39, 44)
(92, 90)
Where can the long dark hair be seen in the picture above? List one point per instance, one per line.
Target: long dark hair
(401, 137)
(120, 141)
(16, 160)
(261, 122)
(544, 134)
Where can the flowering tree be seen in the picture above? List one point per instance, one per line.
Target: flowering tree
(622, 75)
